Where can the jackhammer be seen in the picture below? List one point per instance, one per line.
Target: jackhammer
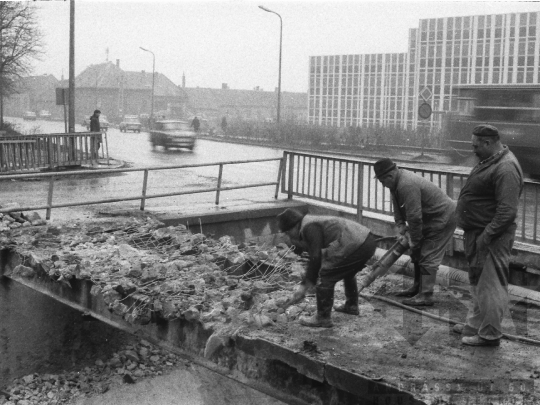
(381, 266)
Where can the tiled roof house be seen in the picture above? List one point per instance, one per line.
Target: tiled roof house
(117, 92)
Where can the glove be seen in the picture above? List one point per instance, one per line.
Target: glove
(299, 294)
(402, 229)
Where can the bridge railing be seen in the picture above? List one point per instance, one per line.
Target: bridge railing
(46, 151)
(52, 177)
(351, 183)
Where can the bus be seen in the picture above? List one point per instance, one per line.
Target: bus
(514, 109)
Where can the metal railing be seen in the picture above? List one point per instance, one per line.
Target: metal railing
(143, 196)
(351, 183)
(47, 151)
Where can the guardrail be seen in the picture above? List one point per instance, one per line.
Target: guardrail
(143, 196)
(47, 151)
(351, 183)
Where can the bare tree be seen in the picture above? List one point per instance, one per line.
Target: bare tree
(20, 44)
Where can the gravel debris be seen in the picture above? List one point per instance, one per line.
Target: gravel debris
(145, 272)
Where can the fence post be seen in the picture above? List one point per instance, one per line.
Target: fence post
(360, 192)
(291, 177)
(220, 175)
(50, 151)
(450, 185)
(50, 198)
(280, 170)
(145, 182)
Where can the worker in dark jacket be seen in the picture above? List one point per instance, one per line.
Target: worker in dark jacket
(96, 127)
(486, 210)
(424, 212)
(338, 249)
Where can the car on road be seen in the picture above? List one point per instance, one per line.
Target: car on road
(103, 123)
(130, 123)
(173, 134)
(44, 115)
(29, 116)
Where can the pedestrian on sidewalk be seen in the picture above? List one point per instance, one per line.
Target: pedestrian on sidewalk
(224, 124)
(96, 127)
(338, 249)
(486, 210)
(424, 213)
(196, 124)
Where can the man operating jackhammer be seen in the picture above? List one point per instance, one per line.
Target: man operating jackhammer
(430, 215)
(338, 249)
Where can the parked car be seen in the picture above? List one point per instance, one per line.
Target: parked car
(45, 115)
(130, 123)
(103, 123)
(29, 116)
(172, 134)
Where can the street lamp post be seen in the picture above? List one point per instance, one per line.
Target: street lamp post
(153, 77)
(279, 75)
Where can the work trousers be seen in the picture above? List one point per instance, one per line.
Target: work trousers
(436, 237)
(488, 275)
(345, 271)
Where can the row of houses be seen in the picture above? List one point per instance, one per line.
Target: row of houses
(117, 92)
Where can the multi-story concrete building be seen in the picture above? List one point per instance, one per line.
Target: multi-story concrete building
(358, 90)
(443, 53)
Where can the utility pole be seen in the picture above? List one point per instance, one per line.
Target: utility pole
(71, 119)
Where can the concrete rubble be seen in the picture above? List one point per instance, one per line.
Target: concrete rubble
(18, 219)
(169, 273)
(134, 362)
(145, 272)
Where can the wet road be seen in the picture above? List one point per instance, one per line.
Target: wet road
(135, 149)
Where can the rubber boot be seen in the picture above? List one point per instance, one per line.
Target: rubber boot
(411, 292)
(325, 300)
(351, 297)
(425, 297)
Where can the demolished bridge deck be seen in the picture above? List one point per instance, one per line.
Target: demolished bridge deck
(221, 304)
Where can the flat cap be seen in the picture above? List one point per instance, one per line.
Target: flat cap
(288, 219)
(485, 130)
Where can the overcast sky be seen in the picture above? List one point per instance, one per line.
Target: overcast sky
(235, 42)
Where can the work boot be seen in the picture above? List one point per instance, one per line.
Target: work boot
(411, 292)
(479, 341)
(419, 300)
(464, 330)
(425, 297)
(351, 297)
(316, 321)
(347, 310)
(325, 300)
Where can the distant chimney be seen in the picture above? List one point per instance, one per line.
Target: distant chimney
(143, 72)
(224, 86)
(256, 88)
(183, 80)
(118, 63)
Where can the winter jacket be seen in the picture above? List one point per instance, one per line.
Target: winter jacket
(421, 203)
(489, 200)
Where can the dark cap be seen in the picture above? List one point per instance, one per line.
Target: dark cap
(97, 112)
(288, 219)
(485, 130)
(383, 166)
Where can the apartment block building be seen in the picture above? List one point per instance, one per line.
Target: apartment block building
(443, 53)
